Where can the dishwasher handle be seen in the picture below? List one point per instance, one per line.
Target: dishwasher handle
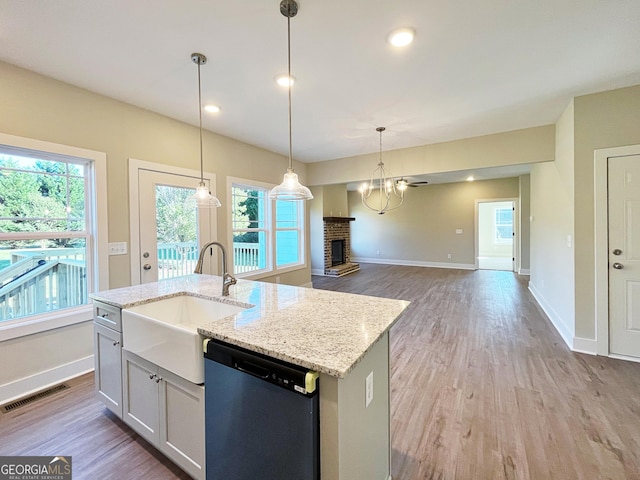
(252, 369)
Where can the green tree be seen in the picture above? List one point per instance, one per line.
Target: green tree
(176, 222)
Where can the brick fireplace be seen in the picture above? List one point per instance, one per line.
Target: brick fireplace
(337, 241)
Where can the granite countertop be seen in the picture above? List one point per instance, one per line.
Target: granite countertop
(325, 331)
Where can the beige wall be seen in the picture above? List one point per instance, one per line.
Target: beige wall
(552, 279)
(38, 107)
(607, 119)
(423, 230)
(562, 193)
(526, 146)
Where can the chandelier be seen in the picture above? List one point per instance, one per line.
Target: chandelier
(389, 192)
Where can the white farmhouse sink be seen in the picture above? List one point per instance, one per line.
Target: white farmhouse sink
(165, 332)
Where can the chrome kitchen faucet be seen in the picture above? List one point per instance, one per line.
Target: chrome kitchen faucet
(227, 279)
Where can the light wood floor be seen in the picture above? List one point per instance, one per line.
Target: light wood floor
(482, 388)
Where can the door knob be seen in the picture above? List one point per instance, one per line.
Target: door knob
(146, 266)
(617, 251)
(618, 266)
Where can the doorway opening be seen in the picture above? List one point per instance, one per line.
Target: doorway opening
(496, 235)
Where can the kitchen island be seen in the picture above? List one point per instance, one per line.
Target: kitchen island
(343, 337)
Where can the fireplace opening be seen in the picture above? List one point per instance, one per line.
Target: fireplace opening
(337, 252)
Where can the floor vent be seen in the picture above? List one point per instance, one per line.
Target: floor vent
(10, 407)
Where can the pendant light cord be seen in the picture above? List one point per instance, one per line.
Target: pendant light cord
(290, 86)
(200, 123)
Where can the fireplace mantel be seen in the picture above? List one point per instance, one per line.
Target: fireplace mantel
(338, 219)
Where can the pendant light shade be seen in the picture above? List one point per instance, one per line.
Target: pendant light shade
(389, 191)
(290, 188)
(202, 198)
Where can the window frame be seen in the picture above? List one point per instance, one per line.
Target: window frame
(270, 216)
(96, 231)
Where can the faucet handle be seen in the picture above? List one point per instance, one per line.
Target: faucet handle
(229, 279)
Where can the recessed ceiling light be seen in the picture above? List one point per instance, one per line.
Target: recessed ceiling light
(401, 37)
(212, 108)
(470, 178)
(285, 81)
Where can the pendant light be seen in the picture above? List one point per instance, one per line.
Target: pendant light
(202, 198)
(290, 188)
(390, 193)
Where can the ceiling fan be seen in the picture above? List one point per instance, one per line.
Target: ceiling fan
(403, 181)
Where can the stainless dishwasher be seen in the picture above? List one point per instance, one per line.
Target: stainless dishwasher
(261, 417)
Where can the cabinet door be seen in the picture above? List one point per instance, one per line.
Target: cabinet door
(108, 367)
(182, 423)
(140, 395)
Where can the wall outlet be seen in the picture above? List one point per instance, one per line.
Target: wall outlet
(118, 248)
(368, 389)
(449, 256)
(458, 231)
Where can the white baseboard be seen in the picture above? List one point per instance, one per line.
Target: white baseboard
(41, 380)
(585, 345)
(524, 271)
(317, 271)
(552, 315)
(624, 357)
(415, 263)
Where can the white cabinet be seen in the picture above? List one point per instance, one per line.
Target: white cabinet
(107, 344)
(165, 409)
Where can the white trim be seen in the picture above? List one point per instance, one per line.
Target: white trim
(524, 271)
(134, 205)
(415, 263)
(21, 327)
(552, 315)
(317, 271)
(601, 240)
(624, 357)
(98, 231)
(585, 345)
(41, 380)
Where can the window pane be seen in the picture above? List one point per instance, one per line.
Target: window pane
(286, 214)
(287, 250)
(249, 251)
(41, 195)
(38, 276)
(176, 232)
(248, 209)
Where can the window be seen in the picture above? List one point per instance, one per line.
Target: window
(503, 226)
(268, 235)
(48, 246)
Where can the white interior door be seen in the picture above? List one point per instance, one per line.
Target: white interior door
(166, 232)
(624, 255)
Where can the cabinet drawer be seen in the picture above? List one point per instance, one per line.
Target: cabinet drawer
(107, 315)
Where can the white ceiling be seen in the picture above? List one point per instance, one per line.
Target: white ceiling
(475, 67)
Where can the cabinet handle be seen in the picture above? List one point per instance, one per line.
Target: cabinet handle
(105, 315)
(116, 343)
(158, 379)
(151, 375)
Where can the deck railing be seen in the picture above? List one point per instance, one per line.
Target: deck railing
(42, 280)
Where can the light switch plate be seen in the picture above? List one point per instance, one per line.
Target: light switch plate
(458, 231)
(118, 248)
